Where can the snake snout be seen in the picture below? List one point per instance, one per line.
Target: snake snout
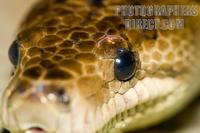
(34, 107)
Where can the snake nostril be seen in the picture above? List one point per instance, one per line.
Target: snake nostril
(62, 96)
(35, 130)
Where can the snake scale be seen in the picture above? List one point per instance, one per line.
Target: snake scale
(68, 77)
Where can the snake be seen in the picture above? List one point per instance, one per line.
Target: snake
(77, 69)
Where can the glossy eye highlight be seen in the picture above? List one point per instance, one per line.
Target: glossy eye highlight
(125, 65)
(14, 53)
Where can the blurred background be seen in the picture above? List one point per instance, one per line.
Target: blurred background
(12, 11)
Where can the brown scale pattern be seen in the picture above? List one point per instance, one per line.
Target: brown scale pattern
(72, 48)
(167, 55)
(63, 49)
(76, 50)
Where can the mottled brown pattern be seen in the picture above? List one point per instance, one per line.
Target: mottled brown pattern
(75, 50)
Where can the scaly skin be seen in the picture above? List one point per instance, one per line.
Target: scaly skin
(65, 82)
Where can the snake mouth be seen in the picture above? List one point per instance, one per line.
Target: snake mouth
(35, 130)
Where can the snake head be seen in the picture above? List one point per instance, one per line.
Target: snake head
(83, 72)
(64, 79)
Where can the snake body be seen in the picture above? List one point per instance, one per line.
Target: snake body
(65, 82)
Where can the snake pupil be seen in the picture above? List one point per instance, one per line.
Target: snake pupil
(14, 53)
(125, 65)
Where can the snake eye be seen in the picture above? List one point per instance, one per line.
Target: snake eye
(125, 65)
(14, 53)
